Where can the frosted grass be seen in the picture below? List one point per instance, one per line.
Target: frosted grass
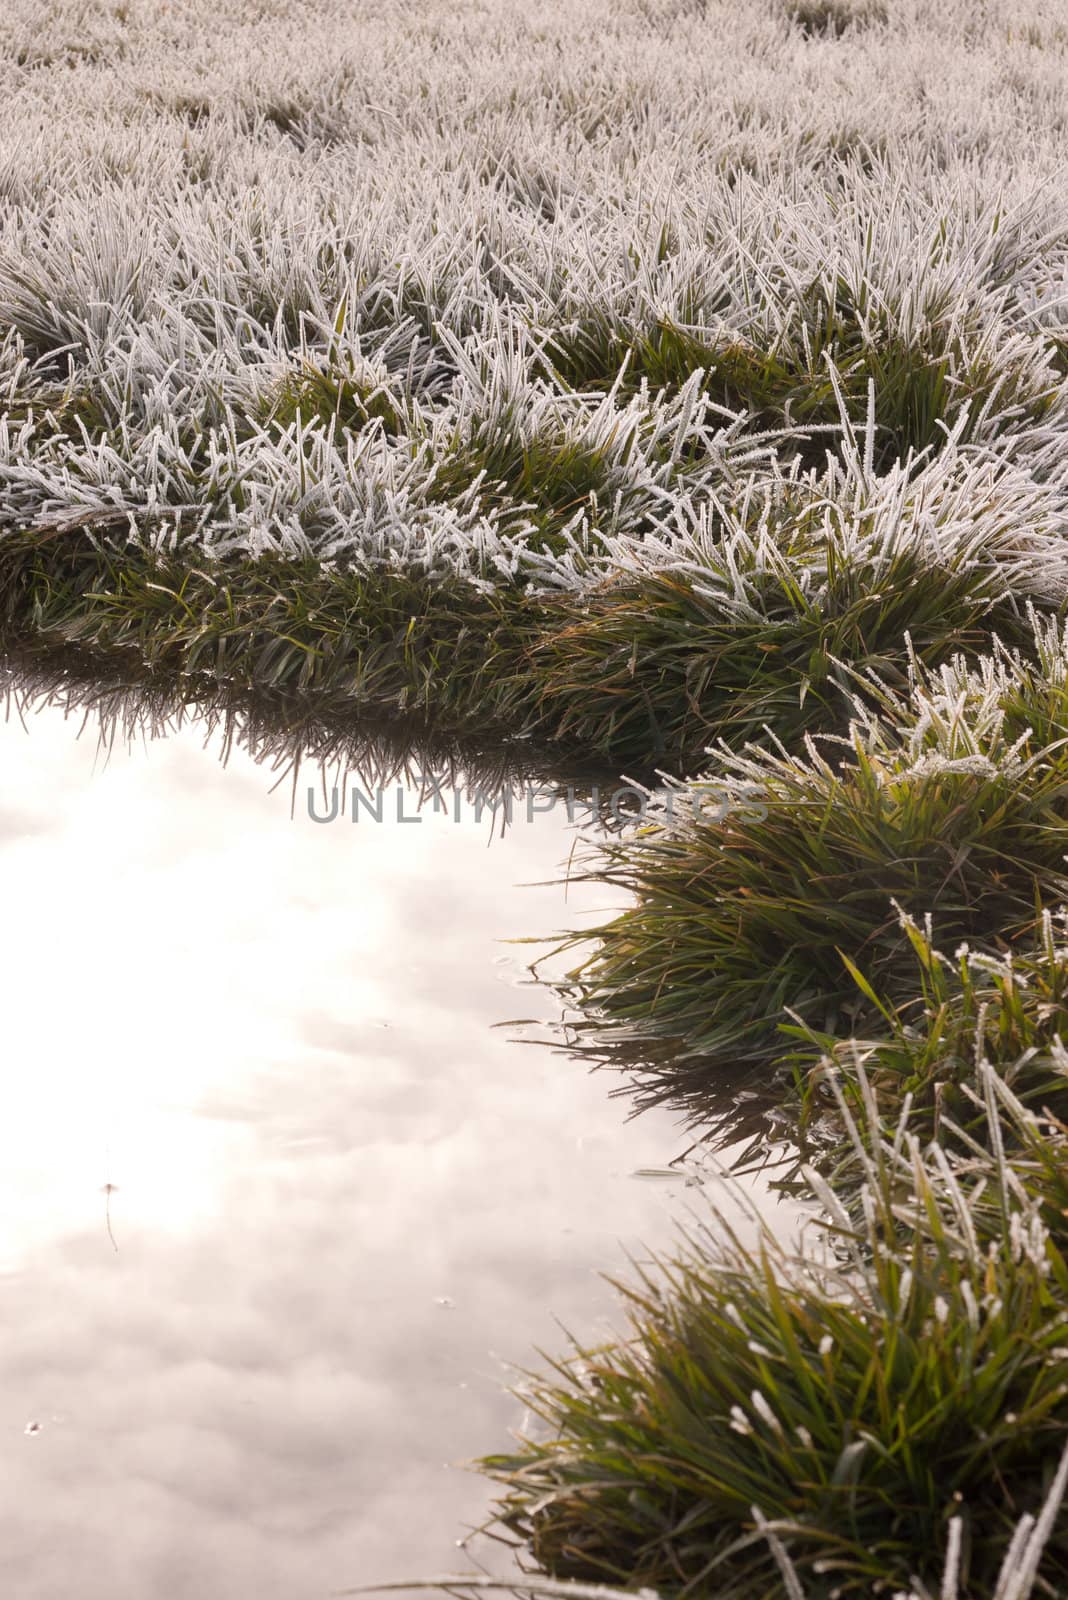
(199, 206)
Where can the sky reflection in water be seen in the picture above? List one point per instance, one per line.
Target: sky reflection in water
(342, 1201)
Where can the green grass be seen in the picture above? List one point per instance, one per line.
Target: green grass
(376, 644)
(946, 804)
(549, 480)
(1009, 1009)
(862, 1406)
(753, 640)
(313, 394)
(920, 385)
(669, 662)
(286, 730)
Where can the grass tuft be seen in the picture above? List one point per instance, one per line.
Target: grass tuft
(780, 873)
(830, 19)
(312, 395)
(758, 637)
(888, 1408)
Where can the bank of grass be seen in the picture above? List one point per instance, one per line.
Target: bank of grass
(884, 1415)
(759, 635)
(877, 923)
(359, 645)
(286, 732)
(782, 877)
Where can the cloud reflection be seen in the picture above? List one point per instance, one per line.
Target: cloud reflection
(275, 1040)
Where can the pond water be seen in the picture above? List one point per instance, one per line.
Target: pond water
(279, 1200)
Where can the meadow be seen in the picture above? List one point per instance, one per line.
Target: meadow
(676, 388)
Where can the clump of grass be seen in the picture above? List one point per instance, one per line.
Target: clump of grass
(924, 384)
(374, 643)
(756, 634)
(597, 352)
(550, 480)
(831, 18)
(312, 394)
(764, 636)
(1009, 1009)
(924, 388)
(890, 1412)
(842, 356)
(753, 899)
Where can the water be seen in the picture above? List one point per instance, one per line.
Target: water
(279, 1200)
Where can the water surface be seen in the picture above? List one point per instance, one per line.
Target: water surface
(279, 1200)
